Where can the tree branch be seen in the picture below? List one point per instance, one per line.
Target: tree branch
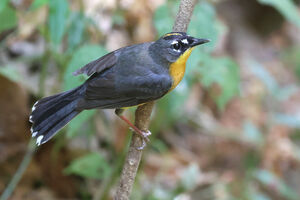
(143, 113)
(184, 15)
(133, 158)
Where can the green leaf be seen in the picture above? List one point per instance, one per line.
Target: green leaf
(291, 121)
(3, 4)
(223, 71)
(291, 57)
(251, 160)
(92, 165)
(287, 8)
(76, 30)
(76, 123)
(280, 93)
(204, 24)
(259, 196)
(118, 17)
(80, 58)
(164, 17)
(253, 193)
(170, 107)
(163, 20)
(38, 3)
(57, 20)
(10, 17)
(260, 72)
(10, 73)
(190, 176)
(269, 179)
(251, 133)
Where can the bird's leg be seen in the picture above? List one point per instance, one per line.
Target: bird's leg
(143, 134)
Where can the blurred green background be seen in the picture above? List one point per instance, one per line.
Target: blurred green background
(230, 130)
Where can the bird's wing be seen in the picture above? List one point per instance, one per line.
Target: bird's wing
(104, 91)
(99, 64)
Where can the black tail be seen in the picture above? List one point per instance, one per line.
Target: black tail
(52, 113)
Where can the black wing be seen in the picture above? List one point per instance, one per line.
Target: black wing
(99, 65)
(105, 91)
(105, 62)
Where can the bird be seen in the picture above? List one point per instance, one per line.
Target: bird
(127, 77)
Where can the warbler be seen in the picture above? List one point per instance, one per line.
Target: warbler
(126, 77)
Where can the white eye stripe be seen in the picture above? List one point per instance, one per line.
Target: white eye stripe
(185, 41)
(174, 42)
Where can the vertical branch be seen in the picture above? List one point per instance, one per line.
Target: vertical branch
(142, 116)
(184, 15)
(133, 158)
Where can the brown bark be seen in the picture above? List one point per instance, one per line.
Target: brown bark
(184, 15)
(133, 158)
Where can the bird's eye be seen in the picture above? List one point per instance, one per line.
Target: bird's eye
(176, 46)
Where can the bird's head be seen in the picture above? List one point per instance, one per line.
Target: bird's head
(172, 45)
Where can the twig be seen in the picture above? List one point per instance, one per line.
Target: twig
(142, 116)
(20, 171)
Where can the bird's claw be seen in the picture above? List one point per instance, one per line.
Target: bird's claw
(144, 136)
(140, 148)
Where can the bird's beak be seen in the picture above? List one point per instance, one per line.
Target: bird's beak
(197, 41)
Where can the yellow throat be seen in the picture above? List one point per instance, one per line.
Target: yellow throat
(177, 68)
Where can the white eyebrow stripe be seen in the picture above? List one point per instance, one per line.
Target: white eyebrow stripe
(174, 42)
(184, 41)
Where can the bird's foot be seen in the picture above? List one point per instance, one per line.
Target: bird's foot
(144, 137)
